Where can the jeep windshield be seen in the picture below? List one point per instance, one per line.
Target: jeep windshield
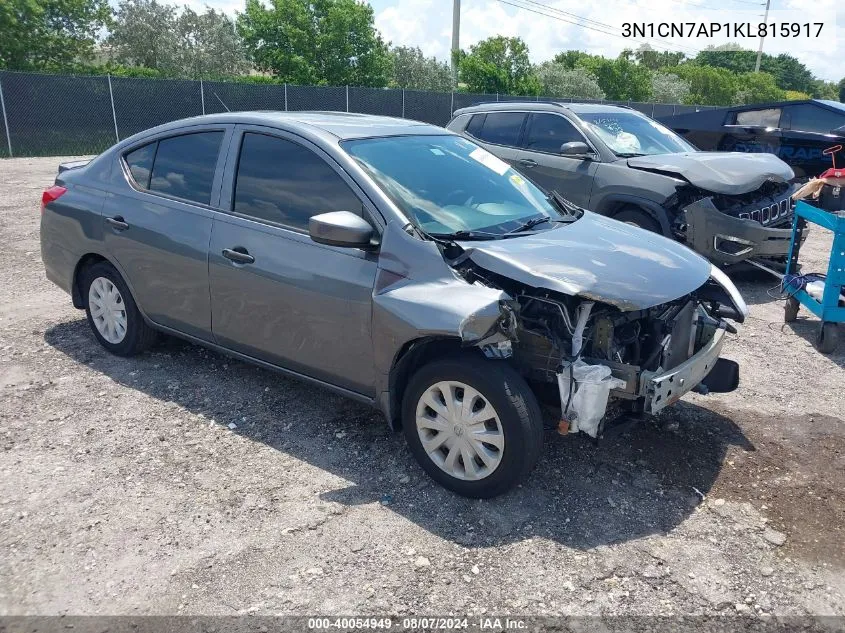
(631, 134)
(451, 188)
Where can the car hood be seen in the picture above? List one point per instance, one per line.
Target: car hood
(596, 258)
(730, 173)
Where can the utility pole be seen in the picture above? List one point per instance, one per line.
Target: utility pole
(760, 50)
(456, 40)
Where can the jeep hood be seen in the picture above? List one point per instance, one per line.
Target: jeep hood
(729, 173)
(596, 258)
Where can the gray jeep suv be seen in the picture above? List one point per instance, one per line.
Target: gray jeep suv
(728, 206)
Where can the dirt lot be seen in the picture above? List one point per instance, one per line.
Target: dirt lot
(185, 482)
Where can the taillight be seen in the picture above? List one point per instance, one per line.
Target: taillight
(53, 193)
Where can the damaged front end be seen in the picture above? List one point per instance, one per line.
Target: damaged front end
(654, 355)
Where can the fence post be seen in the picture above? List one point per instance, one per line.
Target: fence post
(403, 103)
(497, 97)
(347, 98)
(452, 105)
(286, 96)
(202, 96)
(113, 113)
(6, 121)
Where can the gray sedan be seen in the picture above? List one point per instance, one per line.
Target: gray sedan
(393, 262)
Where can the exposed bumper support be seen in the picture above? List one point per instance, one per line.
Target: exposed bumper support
(663, 389)
(727, 240)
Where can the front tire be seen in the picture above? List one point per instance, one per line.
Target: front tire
(473, 425)
(112, 313)
(637, 217)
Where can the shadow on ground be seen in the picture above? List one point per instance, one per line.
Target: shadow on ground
(642, 481)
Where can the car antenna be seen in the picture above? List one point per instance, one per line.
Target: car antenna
(221, 101)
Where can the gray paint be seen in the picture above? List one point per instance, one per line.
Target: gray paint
(597, 258)
(729, 173)
(607, 183)
(336, 316)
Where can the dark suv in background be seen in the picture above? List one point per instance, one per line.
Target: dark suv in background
(613, 160)
(797, 132)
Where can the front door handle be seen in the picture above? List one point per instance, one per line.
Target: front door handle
(528, 163)
(117, 222)
(239, 255)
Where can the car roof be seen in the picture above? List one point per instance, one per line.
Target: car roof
(544, 106)
(342, 125)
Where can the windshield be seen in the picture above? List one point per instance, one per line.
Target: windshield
(630, 134)
(447, 185)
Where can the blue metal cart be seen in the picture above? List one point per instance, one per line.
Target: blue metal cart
(828, 309)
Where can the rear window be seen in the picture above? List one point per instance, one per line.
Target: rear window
(501, 128)
(810, 118)
(180, 166)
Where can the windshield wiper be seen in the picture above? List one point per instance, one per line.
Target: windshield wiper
(465, 235)
(629, 154)
(530, 224)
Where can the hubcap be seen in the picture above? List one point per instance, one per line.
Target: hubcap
(107, 310)
(460, 430)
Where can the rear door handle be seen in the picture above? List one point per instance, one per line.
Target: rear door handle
(239, 255)
(528, 163)
(117, 222)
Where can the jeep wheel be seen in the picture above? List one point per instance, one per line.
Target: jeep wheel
(472, 424)
(640, 218)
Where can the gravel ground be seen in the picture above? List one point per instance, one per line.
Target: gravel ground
(185, 482)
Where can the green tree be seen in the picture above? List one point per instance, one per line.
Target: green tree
(669, 88)
(620, 78)
(789, 73)
(144, 34)
(820, 89)
(556, 80)
(758, 88)
(842, 90)
(570, 59)
(657, 60)
(208, 45)
(708, 86)
(413, 70)
(499, 64)
(328, 42)
(50, 34)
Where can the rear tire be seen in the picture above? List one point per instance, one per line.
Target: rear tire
(112, 313)
(637, 217)
(486, 433)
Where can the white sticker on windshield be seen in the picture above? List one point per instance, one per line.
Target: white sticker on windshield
(488, 160)
(437, 152)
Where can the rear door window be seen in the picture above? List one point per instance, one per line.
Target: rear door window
(282, 182)
(501, 128)
(184, 166)
(547, 132)
(140, 162)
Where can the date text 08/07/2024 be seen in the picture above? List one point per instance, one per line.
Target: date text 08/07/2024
(722, 29)
(415, 623)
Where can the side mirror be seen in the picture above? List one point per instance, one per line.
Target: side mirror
(576, 149)
(340, 228)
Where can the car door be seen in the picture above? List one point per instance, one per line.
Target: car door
(275, 294)
(158, 224)
(540, 157)
(499, 133)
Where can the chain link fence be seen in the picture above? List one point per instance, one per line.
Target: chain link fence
(54, 115)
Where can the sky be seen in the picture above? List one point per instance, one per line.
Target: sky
(428, 25)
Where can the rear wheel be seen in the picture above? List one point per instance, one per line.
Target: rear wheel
(473, 425)
(637, 217)
(112, 314)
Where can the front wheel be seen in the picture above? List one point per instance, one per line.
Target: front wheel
(473, 425)
(637, 217)
(828, 338)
